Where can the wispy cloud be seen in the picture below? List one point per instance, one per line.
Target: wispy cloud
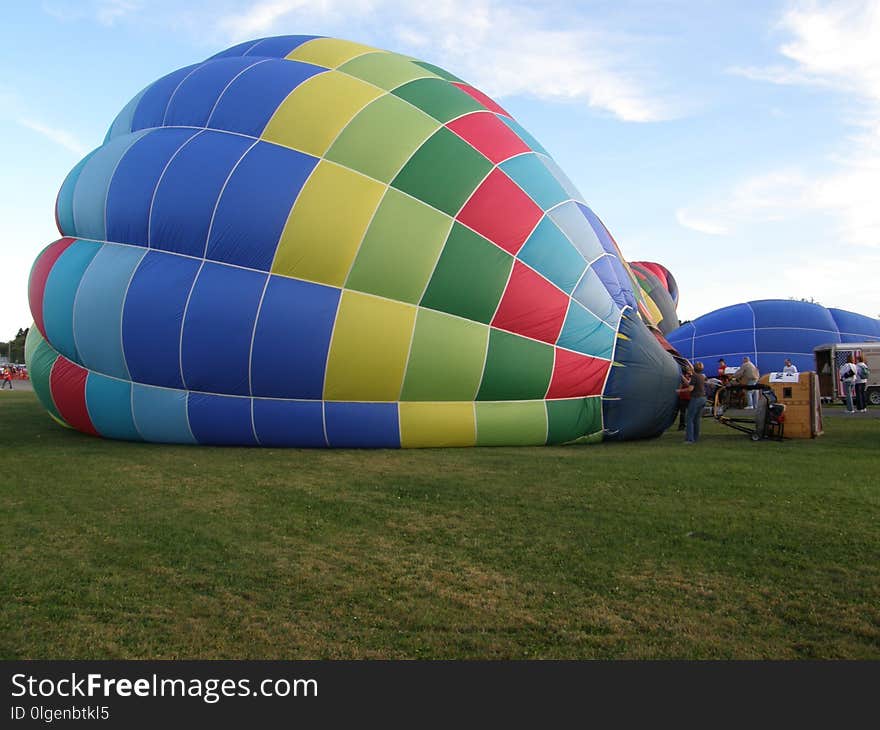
(833, 46)
(506, 49)
(106, 12)
(59, 136)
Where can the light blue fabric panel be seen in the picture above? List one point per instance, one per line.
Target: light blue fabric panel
(109, 404)
(97, 314)
(122, 124)
(584, 332)
(64, 202)
(58, 299)
(90, 194)
(160, 414)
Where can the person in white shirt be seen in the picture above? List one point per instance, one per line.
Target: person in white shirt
(789, 368)
(848, 374)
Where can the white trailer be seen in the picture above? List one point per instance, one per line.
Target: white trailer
(829, 358)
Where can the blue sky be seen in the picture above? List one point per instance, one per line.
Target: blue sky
(738, 144)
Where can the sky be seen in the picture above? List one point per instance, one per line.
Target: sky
(738, 144)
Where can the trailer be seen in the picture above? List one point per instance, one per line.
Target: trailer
(829, 359)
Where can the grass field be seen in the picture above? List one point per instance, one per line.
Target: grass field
(727, 549)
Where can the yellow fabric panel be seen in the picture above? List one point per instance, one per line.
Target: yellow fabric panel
(369, 349)
(317, 110)
(437, 424)
(329, 52)
(326, 225)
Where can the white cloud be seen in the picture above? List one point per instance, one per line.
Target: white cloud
(834, 46)
(505, 49)
(59, 136)
(106, 12)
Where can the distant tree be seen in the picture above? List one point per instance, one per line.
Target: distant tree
(804, 299)
(14, 349)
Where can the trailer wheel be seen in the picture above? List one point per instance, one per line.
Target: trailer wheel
(755, 437)
(874, 396)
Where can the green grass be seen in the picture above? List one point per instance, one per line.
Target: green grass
(639, 550)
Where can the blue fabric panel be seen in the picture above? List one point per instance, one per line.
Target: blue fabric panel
(237, 50)
(522, 133)
(292, 339)
(189, 190)
(221, 420)
(255, 204)
(109, 404)
(253, 97)
(561, 178)
(682, 340)
(572, 223)
(548, 251)
(122, 124)
(639, 398)
(855, 327)
(279, 46)
(153, 317)
(90, 194)
(97, 315)
(160, 414)
(724, 345)
(583, 332)
(150, 110)
(599, 229)
(624, 280)
(134, 182)
(64, 202)
(735, 317)
(289, 423)
(790, 313)
(773, 342)
(605, 271)
(532, 175)
(362, 425)
(591, 292)
(219, 327)
(60, 293)
(192, 103)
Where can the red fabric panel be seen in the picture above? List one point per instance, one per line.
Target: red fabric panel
(486, 133)
(39, 274)
(576, 375)
(68, 386)
(502, 212)
(482, 98)
(531, 306)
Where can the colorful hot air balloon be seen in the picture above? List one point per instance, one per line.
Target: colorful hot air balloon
(661, 292)
(304, 241)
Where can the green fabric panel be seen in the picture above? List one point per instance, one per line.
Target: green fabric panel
(446, 358)
(400, 249)
(382, 137)
(443, 172)
(40, 357)
(442, 73)
(516, 368)
(439, 98)
(573, 419)
(385, 70)
(511, 424)
(470, 276)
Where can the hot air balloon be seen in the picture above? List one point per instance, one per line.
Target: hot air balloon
(770, 330)
(305, 241)
(660, 291)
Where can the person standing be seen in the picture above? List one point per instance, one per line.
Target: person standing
(748, 374)
(684, 398)
(847, 378)
(7, 378)
(695, 405)
(860, 383)
(789, 368)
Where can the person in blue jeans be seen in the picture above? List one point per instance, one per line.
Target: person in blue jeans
(694, 415)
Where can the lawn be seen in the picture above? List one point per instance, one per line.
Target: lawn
(726, 549)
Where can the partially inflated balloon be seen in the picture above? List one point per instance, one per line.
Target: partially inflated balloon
(309, 242)
(661, 293)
